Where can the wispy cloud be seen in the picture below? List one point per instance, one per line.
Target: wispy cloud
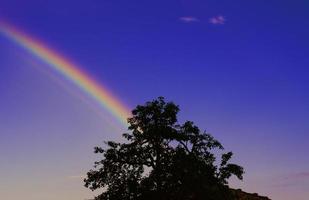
(217, 20)
(300, 179)
(302, 175)
(188, 19)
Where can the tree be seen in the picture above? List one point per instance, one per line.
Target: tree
(162, 159)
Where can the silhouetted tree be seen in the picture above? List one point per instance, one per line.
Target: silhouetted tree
(162, 160)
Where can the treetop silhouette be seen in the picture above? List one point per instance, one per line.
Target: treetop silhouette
(162, 159)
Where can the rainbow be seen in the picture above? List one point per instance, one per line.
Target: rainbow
(70, 71)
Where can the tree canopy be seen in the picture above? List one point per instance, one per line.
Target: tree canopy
(162, 159)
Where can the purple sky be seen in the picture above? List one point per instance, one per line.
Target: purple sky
(239, 69)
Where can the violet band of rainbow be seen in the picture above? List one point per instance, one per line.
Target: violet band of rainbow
(70, 71)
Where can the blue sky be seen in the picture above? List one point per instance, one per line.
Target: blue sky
(239, 69)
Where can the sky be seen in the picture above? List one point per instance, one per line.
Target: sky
(238, 69)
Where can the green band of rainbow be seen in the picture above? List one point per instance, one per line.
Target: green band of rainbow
(70, 71)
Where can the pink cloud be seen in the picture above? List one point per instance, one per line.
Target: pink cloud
(188, 19)
(300, 175)
(217, 20)
(300, 179)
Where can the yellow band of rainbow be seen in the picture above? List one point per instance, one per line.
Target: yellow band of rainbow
(70, 71)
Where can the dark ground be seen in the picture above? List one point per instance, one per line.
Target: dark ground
(241, 195)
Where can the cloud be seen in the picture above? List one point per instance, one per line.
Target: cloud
(188, 19)
(217, 20)
(302, 175)
(300, 179)
(297, 176)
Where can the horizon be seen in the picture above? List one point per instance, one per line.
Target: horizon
(237, 69)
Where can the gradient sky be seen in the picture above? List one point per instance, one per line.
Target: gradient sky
(239, 69)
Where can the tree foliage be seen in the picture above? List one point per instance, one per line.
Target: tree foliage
(162, 159)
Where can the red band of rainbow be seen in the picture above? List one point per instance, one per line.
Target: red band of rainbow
(70, 71)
